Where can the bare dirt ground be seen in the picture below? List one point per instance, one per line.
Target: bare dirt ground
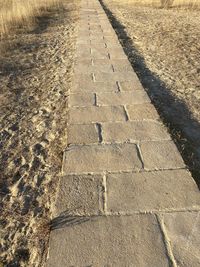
(35, 75)
(164, 49)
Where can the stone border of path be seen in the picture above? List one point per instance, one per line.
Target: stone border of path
(125, 196)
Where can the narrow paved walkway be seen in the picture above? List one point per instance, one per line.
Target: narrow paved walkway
(125, 196)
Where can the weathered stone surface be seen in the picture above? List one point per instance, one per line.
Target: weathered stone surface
(121, 65)
(117, 54)
(82, 62)
(161, 155)
(183, 231)
(80, 195)
(91, 69)
(134, 131)
(99, 53)
(142, 112)
(130, 86)
(90, 47)
(80, 78)
(83, 53)
(82, 134)
(81, 100)
(122, 98)
(115, 76)
(83, 41)
(96, 114)
(112, 44)
(85, 86)
(111, 39)
(97, 158)
(147, 191)
(109, 241)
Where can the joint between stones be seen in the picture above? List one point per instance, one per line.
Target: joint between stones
(99, 129)
(118, 84)
(140, 155)
(126, 114)
(93, 77)
(166, 241)
(104, 194)
(95, 99)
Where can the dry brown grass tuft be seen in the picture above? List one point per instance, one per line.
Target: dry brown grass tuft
(20, 12)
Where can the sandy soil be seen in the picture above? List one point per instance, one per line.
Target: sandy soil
(35, 75)
(164, 49)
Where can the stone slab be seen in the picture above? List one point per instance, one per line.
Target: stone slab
(85, 86)
(83, 53)
(108, 241)
(80, 78)
(122, 98)
(96, 114)
(85, 69)
(99, 53)
(115, 76)
(151, 191)
(82, 134)
(161, 155)
(142, 112)
(134, 131)
(121, 65)
(98, 158)
(183, 231)
(79, 195)
(81, 100)
(131, 86)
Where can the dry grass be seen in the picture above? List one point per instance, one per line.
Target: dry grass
(20, 12)
(186, 4)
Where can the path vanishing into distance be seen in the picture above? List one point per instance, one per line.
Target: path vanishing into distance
(125, 196)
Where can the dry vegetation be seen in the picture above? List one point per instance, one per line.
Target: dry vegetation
(15, 12)
(163, 46)
(35, 74)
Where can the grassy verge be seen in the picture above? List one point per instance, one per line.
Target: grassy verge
(35, 76)
(21, 12)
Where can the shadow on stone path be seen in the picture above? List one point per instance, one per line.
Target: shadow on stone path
(175, 114)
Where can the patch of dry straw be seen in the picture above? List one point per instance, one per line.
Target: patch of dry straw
(16, 12)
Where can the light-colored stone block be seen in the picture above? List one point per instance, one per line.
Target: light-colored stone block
(85, 69)
(142, 112)
(150, 191)
(80, 78)
(98, 158)
(81, 100)
(131, 86)
(85, 86)
(117, 55)
(80, 195)
(122, 98)
(82, 62)
(82, 134)
(96, 114)
(121, 65)
(113, 38)
(115, 76)
(134, 131)
(99, 53)
(183, 231)
(116, 241)
(161, 155)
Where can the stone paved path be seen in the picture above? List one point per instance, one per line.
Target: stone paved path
(125, 196)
